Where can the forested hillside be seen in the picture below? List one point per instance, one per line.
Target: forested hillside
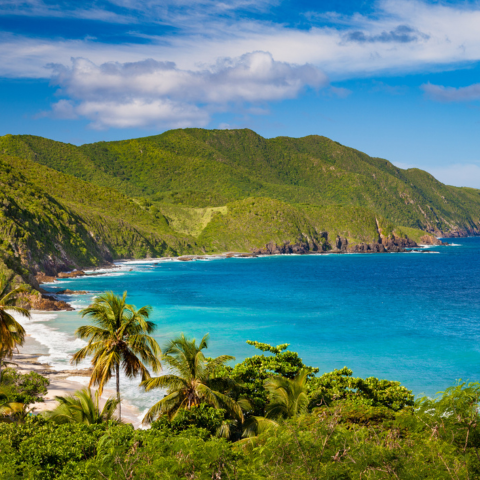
(210, 168)
(207, 191)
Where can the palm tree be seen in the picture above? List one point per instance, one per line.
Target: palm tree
(82, 407)
(12, 334)
(194, 381)
(287, 398)
(119, 339)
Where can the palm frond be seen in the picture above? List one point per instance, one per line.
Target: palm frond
(256, 425)
(82, 407)
(287, 398)
(21, 311)
(164, 381)
(164, 406)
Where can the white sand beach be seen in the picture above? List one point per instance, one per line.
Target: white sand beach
(63, 382)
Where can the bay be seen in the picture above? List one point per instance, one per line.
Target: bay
(411, 317)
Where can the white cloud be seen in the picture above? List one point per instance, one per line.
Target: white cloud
(132, 11)
(64, 109)
(340, 92)
(451, 94)
(39, 8)
(401, 36)
(152, 93)
(139, 112)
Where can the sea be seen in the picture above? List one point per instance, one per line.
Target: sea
(412, 317)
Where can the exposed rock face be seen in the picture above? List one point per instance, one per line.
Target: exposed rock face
(74, 274)
(272, 248)
(430, 240)
(71, 292)
(367, 248)
(48, 303)
(460, 232)
(338, 245)
(42, 278)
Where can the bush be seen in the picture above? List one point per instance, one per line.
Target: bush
(24, 388)
(202, 421)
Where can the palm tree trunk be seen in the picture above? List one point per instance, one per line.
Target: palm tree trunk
(118, 393)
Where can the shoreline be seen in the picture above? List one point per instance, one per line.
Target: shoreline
(43, 344)
(125, 262)
(62, 383)
(119, 263)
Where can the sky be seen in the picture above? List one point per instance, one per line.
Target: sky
(397, 79)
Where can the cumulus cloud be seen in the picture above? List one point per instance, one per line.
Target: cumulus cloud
(152, 93)
(64, 109)
(451, 94)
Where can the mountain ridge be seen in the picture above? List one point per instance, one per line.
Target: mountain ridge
(210, 168)
(194, 191)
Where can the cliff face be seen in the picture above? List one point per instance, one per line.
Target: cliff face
(341, 245)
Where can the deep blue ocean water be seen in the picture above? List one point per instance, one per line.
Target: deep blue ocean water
(412, 317)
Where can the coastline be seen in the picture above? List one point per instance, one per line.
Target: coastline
(62, 301)
(63, 382)
(49, 348)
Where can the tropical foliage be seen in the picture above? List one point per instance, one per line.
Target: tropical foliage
(26, 388)
(12, 334)
(194, 191)
(120, 339)
(83, 407)
(437, 440)
(287, 398)
(194, 380)
(268, 417)
(9, 409)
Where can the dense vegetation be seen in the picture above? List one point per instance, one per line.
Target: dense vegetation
(268, 417)
(206, 191)
(207, 168)
(351, 429)
(50, 220)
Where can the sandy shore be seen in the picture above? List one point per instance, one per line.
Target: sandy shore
(62, 383)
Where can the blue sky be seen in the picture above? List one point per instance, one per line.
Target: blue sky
(397, 79)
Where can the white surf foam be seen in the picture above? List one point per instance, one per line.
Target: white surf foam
(60, 345)
(413, 251)
(145, 261)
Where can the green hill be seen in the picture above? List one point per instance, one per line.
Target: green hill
(50, 221)
(204, 191)
(210, 168)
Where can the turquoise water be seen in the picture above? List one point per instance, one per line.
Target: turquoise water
(412, 317)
